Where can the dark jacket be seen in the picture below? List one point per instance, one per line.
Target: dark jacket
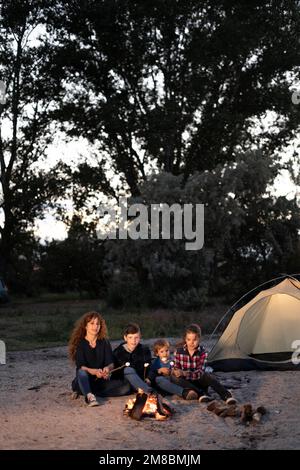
(94, 358)
(136, 358)
(157, 364)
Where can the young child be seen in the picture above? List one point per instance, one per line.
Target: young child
(137, 355)
(189, 367)
(160, 372)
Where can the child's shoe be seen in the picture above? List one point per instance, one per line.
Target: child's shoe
(205, 399)
(189, 394)
(231, 401)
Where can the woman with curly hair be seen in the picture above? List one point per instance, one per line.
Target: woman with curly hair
(91, 351)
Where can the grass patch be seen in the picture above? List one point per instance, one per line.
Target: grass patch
(53, 297)
(25, 326)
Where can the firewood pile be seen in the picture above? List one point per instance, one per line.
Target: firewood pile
(246, 413)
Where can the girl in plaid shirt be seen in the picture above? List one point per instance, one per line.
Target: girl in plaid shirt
(189, 368)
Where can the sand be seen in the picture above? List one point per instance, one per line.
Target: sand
(37, 412)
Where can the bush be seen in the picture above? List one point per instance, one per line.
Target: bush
(192, 299)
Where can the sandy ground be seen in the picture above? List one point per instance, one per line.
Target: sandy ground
(37, 412)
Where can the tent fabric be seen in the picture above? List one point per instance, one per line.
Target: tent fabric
(260, 335)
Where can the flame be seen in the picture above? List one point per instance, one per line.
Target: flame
(150, 408)
(150, 405)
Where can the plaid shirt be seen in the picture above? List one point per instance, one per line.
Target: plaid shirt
(194, 364)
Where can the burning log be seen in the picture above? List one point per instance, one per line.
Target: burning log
(139, 405)
(147, 405)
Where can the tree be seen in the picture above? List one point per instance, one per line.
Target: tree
(25, 124)
(74, 264)
(179, 86)
(249, 236)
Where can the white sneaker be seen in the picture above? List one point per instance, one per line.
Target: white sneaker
(205, 399)
(231, 401)
(92, 400)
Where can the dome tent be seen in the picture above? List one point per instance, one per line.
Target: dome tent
(262, 334)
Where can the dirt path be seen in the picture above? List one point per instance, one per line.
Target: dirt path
(37, 412)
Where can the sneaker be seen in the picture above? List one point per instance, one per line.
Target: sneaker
(231, 401)
(205, 399)
(92, 400)
(189, 394)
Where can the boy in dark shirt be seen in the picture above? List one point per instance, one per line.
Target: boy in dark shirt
(137, 355)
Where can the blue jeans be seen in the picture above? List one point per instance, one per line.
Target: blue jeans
(201, 385)
(102, 388)
(135, 380)
(165, 384)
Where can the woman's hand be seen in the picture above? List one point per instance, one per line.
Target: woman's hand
(99, 373)
(106, 373)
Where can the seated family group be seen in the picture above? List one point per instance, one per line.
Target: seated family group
(96, 375)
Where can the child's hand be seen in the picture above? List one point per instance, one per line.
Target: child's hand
(148, 381)
(177, 372)
(164, 371)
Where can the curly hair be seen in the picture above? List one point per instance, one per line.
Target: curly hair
(79, 331)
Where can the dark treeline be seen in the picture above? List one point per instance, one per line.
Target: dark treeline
(180, 102)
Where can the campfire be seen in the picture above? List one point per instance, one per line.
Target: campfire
(147, 405)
